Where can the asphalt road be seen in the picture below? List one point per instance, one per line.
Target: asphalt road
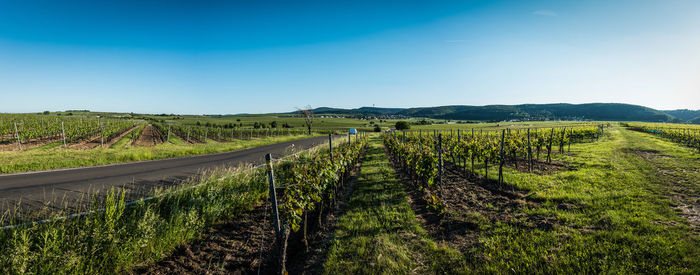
(67, 188)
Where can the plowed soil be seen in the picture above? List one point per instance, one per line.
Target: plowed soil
(28, 144)
(231, 248)
(150, 136)
(96, 141)
(470, 200)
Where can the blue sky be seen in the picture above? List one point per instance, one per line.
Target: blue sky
(199, 57)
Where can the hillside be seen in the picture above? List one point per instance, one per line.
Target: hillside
(691, 116)
(589, 111)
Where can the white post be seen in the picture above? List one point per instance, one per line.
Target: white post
(19, 142)
(63, 130)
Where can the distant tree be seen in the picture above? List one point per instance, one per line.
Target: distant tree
(256, 125)
(273, 124)
(371, 122)
(208, 124)
(238, 119)
(46, 112)
(377, 128)
(402, 125)
(308, 115)
(286, 125)
(199, 123)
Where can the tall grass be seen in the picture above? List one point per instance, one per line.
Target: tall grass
(118, 237)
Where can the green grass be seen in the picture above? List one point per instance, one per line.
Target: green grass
(379, 233)
(121, 238)
(56, 157)
(622, 219)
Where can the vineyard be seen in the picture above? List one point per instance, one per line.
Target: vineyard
(423, 157)
(33, 129)
(199, 134)
(23, 131)
(308, 183)
(678, 133)
(456, 201)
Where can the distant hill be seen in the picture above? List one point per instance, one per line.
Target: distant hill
(692, 116)
(369, 111)
(588, 111)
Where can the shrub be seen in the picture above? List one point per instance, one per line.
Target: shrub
(402, 125)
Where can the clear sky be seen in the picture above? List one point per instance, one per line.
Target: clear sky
(207, 57)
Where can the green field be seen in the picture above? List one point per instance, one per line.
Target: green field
(624, 202)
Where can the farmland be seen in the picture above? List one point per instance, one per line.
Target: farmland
(448, 197)
(349, 137)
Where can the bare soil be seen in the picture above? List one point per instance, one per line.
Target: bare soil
(149, 136)
(245, 245)
(470, 201)
(238, 247)
(119, 136)
(96, 140)
(28, 144)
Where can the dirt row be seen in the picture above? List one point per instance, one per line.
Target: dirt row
(149, 136)
(84, 144)
(32, 143)
(471, 201)
(245, 245)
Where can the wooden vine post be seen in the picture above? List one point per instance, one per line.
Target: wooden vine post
(330, 146)
(529, 152)
(440, 161)
(19, 142)
(549, 148)
(102, 135)
(503, 159)
(275, 213)
(63, 130)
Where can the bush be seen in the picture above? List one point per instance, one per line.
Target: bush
(402, 125)
(377, 128)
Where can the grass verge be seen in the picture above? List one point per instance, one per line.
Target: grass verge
(618, 212)
(120, 237)
(379, 233)
(55, 158)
